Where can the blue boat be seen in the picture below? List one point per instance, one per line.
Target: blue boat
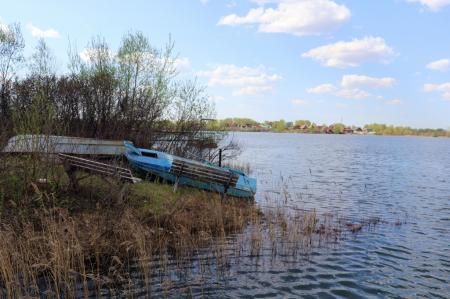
(181, 171)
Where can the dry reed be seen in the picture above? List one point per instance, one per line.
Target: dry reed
(55, 245)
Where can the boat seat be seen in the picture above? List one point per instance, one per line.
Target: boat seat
(204, 173)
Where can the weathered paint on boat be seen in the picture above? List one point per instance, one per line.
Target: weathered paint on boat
(160, 164)
(63, 144)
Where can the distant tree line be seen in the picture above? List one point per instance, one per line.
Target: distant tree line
(383, 129)
(132, 93)
(307, 126)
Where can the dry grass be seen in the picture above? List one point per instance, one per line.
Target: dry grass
(60, 244)
(67, 252)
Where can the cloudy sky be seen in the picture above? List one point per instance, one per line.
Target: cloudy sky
(356, 61)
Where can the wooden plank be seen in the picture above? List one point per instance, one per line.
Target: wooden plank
(98, 167)
(110, 173)
(200, 172)
(105, 168)
(209, 180)
(204, 173)
(205, 170)
(231, 181)
(89, 161)
(209, 169)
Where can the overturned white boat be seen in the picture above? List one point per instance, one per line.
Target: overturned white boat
(51, 144)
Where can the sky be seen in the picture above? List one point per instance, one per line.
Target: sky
(351, 61)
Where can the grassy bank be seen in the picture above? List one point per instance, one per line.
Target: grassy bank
(62, 243)
(56, 239)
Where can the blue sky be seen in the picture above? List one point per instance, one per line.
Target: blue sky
(356, 61)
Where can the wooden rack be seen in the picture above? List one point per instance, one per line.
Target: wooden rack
(72, 163)
(203, 173)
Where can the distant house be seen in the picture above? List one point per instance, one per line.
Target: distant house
(368, 131)
(305, 126)
(364, 131)
(247, 126)
(300, 127)
(348, 130)
(329, 130)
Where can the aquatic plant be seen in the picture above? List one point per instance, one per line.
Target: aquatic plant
(62, 244)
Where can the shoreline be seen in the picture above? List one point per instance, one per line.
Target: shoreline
(306, 133)
(61, 242)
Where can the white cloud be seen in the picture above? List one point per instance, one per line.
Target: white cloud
(433, 5)
(439, 65)
(299, 102)
(353, 86)
(359, 81)
(297, 17)
(252, 90)
(182, 64)
(204, 2)
(352, 53)
(244, 80)
(87, 53)
(3, 26)
(41, 33)
(353, 93)
(217, 99)
(443, 89)
(394, 102)
(322, 88)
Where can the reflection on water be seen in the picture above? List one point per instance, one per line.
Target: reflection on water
(360, 176)
(394, 178)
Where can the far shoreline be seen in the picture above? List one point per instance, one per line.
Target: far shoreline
(334, 134)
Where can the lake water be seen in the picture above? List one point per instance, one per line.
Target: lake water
(399, 179)
(358, 176)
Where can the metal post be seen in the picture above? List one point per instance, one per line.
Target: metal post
(220, 157)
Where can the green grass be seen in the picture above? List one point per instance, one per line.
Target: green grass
(157, 197)
(19, 188)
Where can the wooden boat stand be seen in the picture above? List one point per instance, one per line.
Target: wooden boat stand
(73, 163)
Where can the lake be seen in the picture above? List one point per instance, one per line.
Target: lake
(403, 180)
(359, 176)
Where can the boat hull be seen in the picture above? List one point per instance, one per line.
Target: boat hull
(161, 167)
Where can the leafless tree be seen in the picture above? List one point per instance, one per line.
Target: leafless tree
(145, 90)
(132, 94)
(42, 62)
(11, 57)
